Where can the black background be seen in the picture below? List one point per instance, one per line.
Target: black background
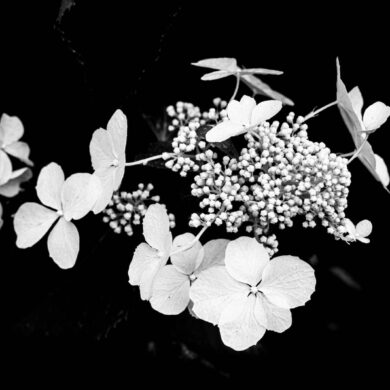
(64, 77)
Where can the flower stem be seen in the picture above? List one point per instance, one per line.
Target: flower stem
(237, 86)
(316, 112)
(358, 150)
(143, 161)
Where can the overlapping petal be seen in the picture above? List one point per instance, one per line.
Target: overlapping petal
(186, 261)
(11, 130)
(214, 254)
(5, 168)
(12, 187)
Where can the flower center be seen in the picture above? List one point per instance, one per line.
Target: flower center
(192, 277)
(115, 162)
(254, 290)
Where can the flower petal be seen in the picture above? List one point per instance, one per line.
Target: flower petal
(106, 177)
(31, 223)
(64, 244)
(49, 185)
(356, 99)
(5, 168)
(119, 173)
(265, 110)
(241, 322)
(224, 131)
(240, 112)
(101, 149)
(187, 261)
(214, 254)
(246, 259)
(149, 275)
(117, 128)
(79, 195)
(364, 228)
(288, 282)
(171, 291)
(156, 228)
(212, 291)
(11, 129)
(381, 170)
(12, 187)
(375, 116)
(1, 216)
(19, 150)
(278, 319)
(143, 255)
(222, 63)
(216, 75)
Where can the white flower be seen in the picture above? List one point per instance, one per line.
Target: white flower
(11, 130)
(350, 105)
(374, 116)
(107, 149)
(66, 200)
(171, 291)
(12, 187)
(242, 116)
(359, 232)
(252, 293)
(150, 257)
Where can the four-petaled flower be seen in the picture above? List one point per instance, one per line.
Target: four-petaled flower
(107, 149)
(251, 293)
(66, 200)
(359, 232)
(243, 116)
(150, 257)
(11, 130)
(171, 290)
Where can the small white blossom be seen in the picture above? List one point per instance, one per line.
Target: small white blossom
(359, 232)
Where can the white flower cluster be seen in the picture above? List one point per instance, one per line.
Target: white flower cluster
(232, 284)
(182, 114)
(127, 209)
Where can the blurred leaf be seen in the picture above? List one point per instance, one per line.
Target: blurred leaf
(345, 277)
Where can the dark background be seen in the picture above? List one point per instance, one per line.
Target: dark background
(64, 72)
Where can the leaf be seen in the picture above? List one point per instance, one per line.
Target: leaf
(245, 260)
(12, 187)
(11, 130)
(49, 185)
(21, 151)
(288, 282)
(171, 291)
(212, 291)
(31, 223)
(241, 322)
(345, 277)
(5, 168)
(187, 261)
(64, 243)
(261, 88)
(156, 228)
(79, 195)
(223, 63)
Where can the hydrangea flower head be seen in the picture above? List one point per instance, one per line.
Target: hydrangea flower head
(359, 232)
(242, 116)
(251, 293)
(107, 149)
(66, 200)
(171, 290)
(151, 256)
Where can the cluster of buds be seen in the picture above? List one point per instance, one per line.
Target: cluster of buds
(127, 209)
(182, 114)
(281, 174)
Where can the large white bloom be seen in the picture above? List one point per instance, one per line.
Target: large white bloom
(251, 293)
(242, 116)
(107, 149)
(151, 256)
(171, 290)
(66, 200)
